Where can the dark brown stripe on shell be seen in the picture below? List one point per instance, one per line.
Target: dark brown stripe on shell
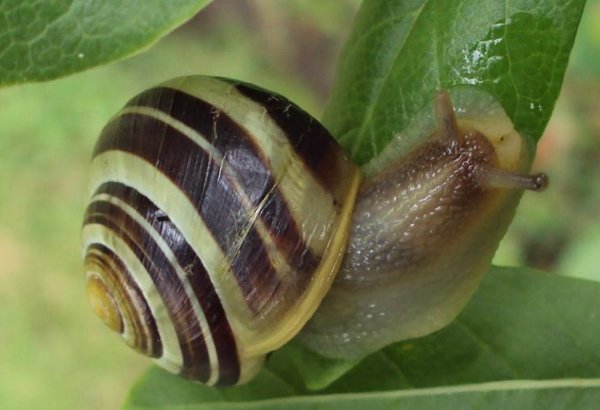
(199, 178)
(189, 334)
(197, 276)
(312, 142)
(136, 309)
(251, 168)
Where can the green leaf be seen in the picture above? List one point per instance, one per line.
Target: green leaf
(521, 325)
(400, 52)
(42, 40)
(526, 395)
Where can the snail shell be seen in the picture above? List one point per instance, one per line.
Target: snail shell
(221, 213)
(202, 247)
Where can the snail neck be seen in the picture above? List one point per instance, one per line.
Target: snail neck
(407, 213)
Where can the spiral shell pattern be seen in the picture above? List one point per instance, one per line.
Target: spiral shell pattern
(217, 220)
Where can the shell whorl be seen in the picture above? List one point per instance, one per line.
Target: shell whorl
(201, 243)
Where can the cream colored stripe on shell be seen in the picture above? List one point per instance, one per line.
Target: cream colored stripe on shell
(164, 247)
(315, 211)
(171, 358)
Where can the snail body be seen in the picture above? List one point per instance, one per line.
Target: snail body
(424, 231)
(221, 213)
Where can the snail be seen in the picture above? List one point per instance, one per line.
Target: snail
(224, 221)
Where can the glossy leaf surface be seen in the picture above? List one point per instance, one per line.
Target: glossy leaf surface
(400, 52)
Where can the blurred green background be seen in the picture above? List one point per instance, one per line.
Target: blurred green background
(53, 352)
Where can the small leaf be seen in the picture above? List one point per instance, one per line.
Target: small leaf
(42, 40)
(400, 52)
(521, 325)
